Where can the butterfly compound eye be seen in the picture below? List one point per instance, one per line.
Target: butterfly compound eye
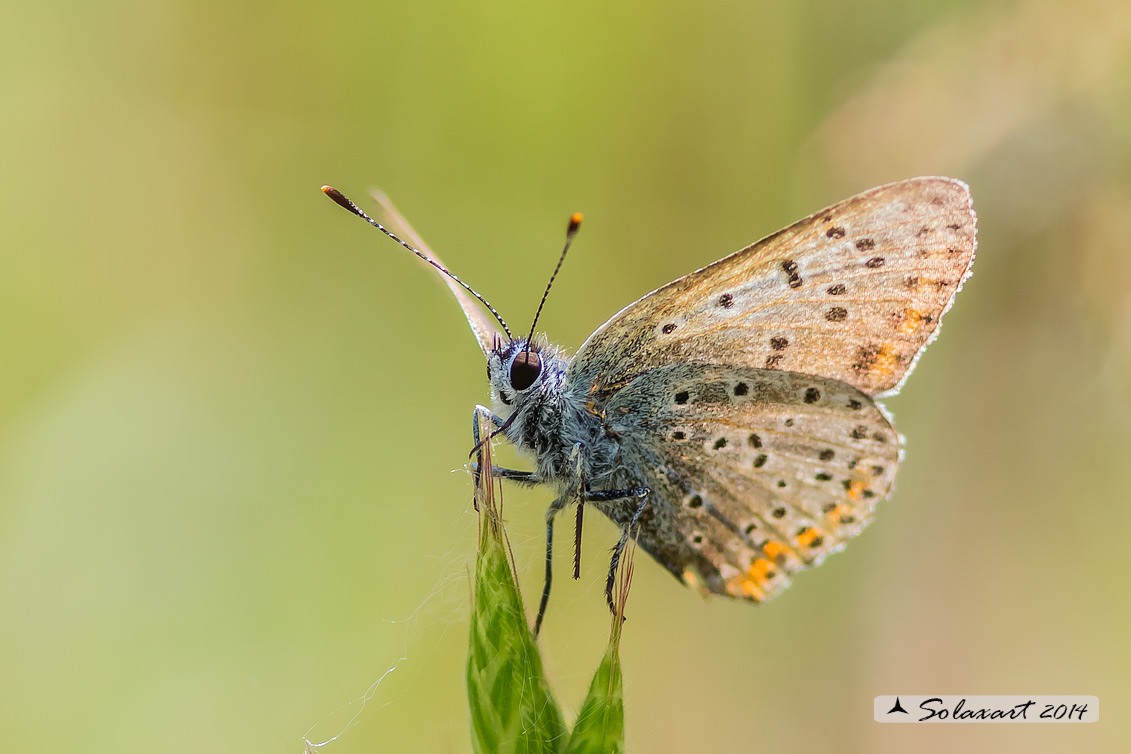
(525, 369)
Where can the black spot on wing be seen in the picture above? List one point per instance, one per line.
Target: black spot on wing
(790, 268)
(866, 358)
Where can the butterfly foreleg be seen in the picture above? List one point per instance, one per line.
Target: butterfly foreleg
(498, 421)
(514, 475)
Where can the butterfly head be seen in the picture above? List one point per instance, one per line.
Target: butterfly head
(519, 370)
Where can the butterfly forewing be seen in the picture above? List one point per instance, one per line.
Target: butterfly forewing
(853, 293)
(762, 472)
(482, 326)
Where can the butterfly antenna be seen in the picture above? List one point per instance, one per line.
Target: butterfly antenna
(571, 231)
(343, 201)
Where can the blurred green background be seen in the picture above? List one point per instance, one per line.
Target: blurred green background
(233, 420)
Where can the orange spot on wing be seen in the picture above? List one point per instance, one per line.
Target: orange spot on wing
(762, 570)
(779, 553)
(811, 537)
(755, 583)
(887, 361)
(773, 549)
(747, 587)
(693, 581)
(855, 488)
(912, 320)
(837, 514)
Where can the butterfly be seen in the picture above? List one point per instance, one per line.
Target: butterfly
(729, 421)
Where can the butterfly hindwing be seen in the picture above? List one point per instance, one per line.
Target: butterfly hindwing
(761, 472)
(853, 292)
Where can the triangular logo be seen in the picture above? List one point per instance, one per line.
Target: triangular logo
(898, 708)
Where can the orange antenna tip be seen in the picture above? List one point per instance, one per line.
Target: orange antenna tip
(342, 201)
(574, 222)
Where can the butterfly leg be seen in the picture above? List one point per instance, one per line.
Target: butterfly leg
(516, 476)
(511, 475)
(552, 511)
(579, 473)
(522, 477)
(558, 504)
(641, 493)
(589, 496)
(476, 440)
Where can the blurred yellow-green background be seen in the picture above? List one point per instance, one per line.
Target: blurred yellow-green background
(233, 420)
